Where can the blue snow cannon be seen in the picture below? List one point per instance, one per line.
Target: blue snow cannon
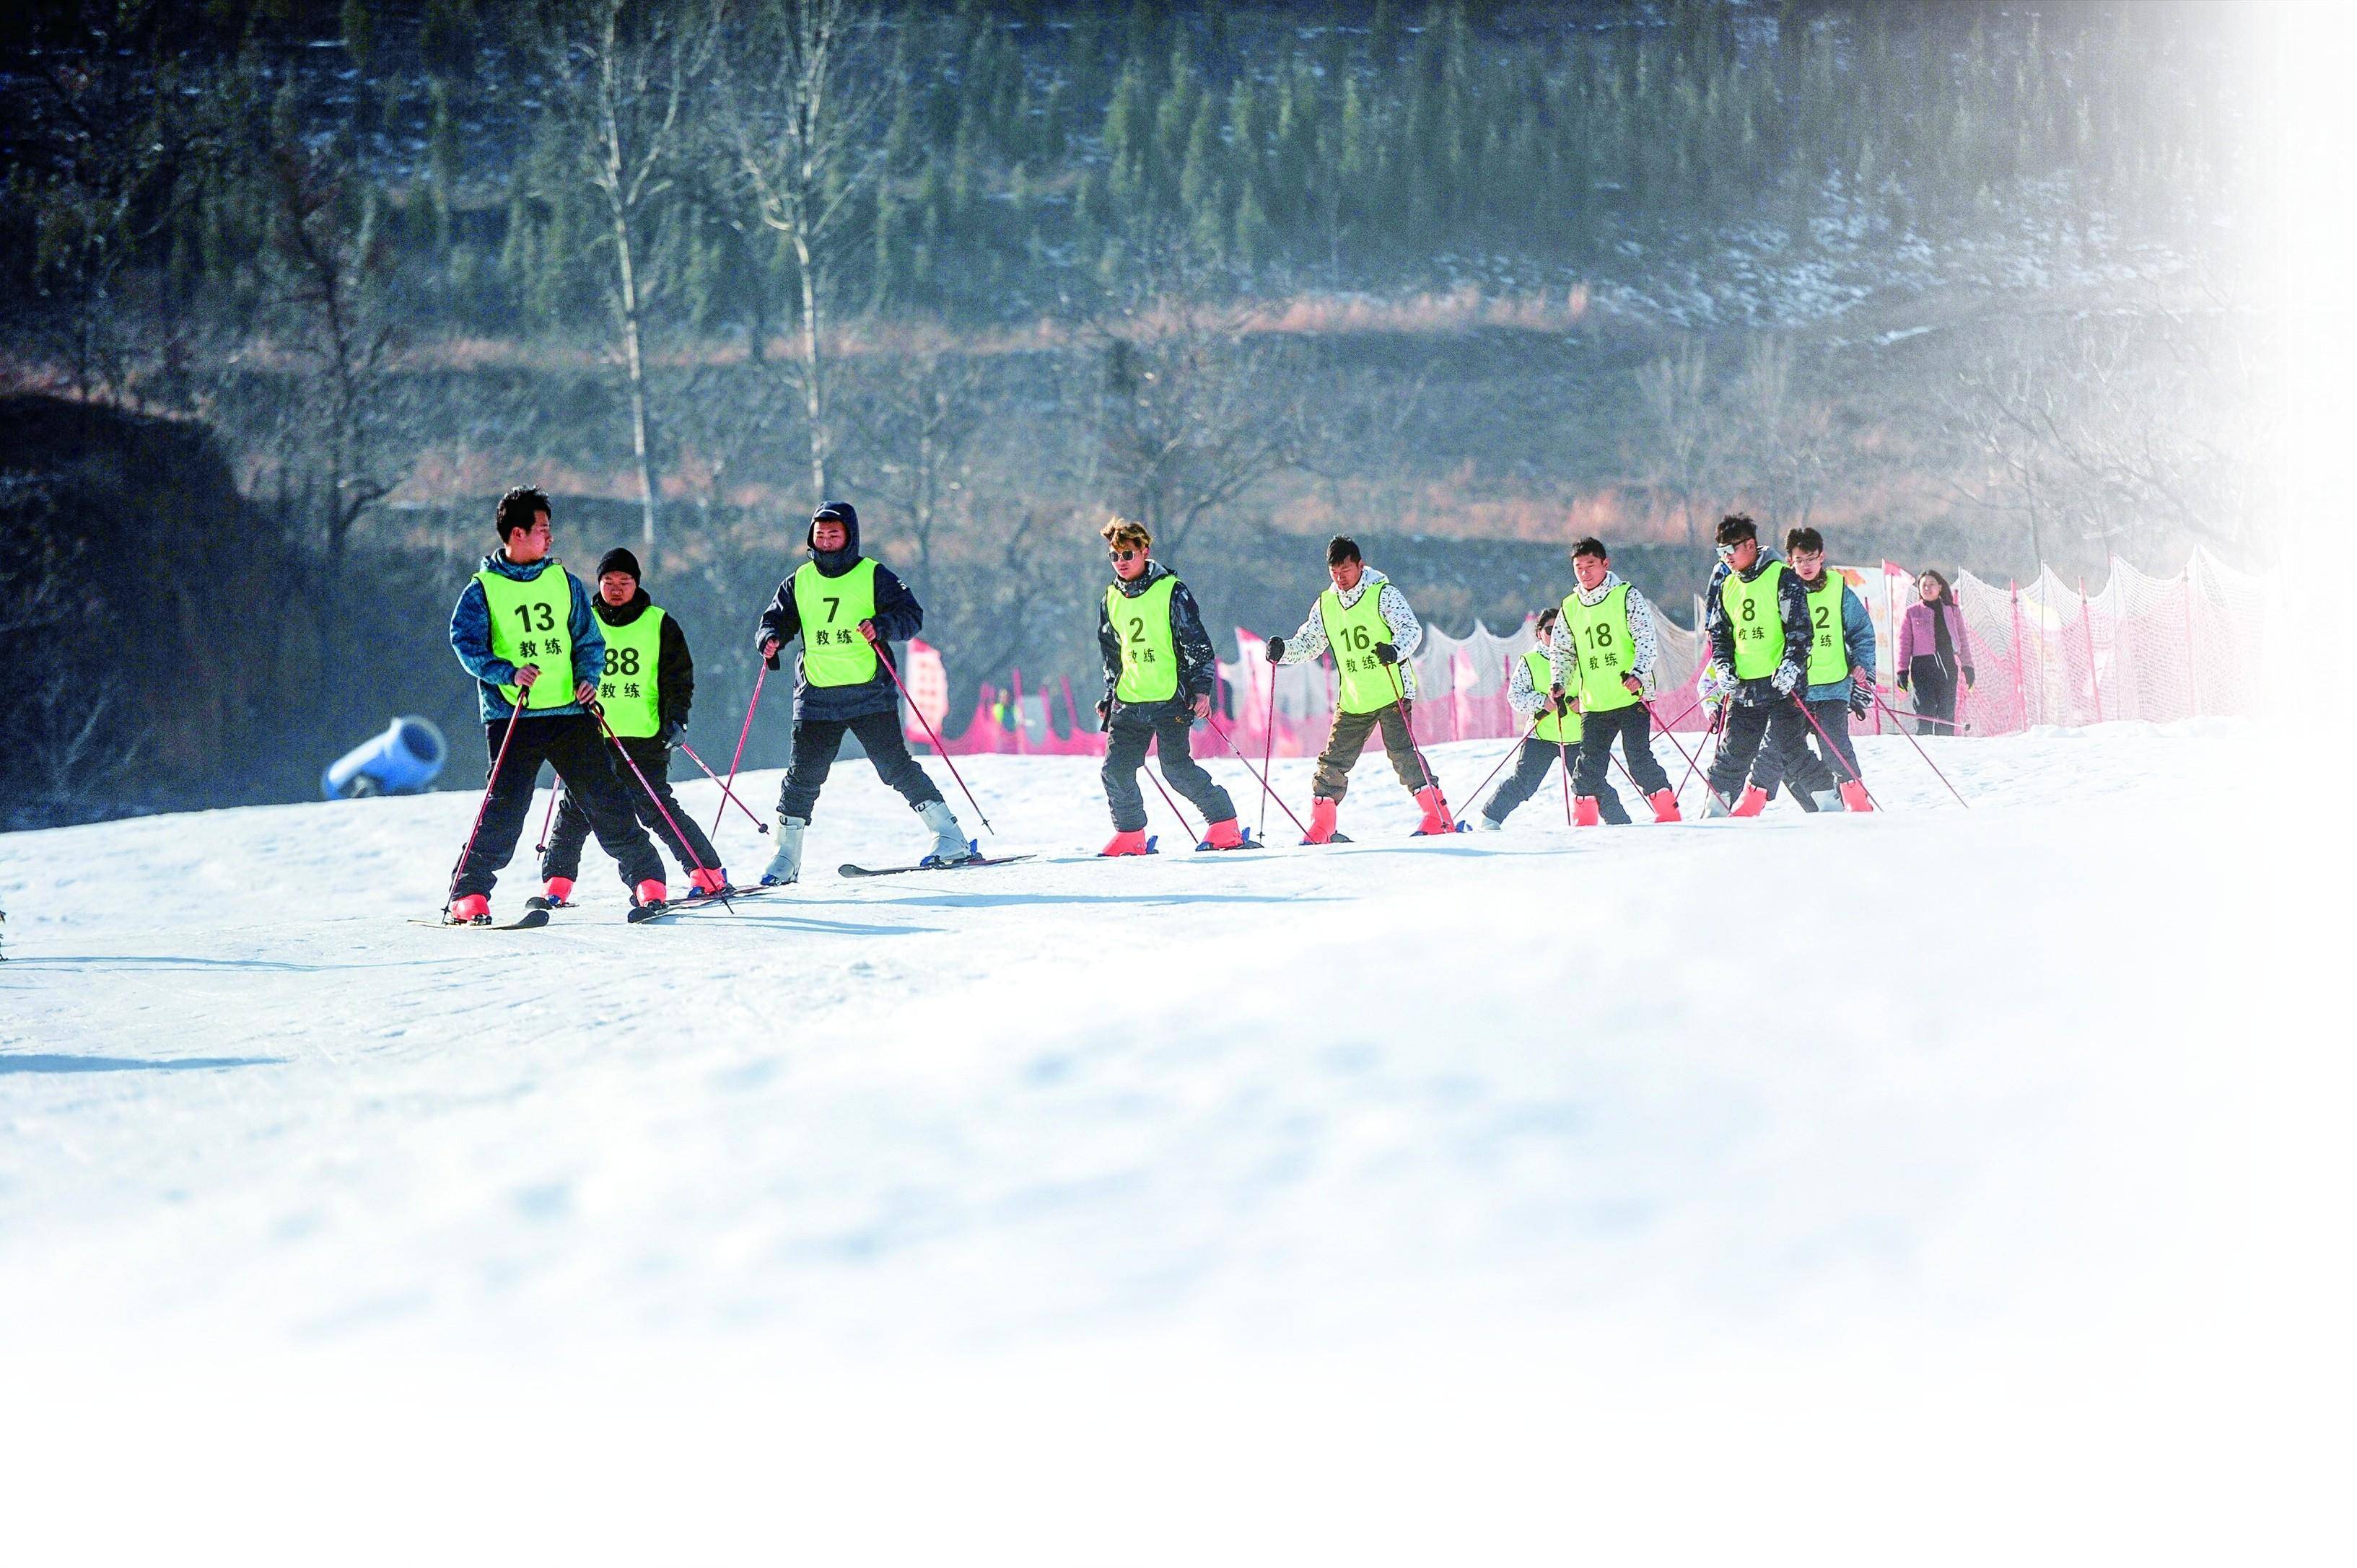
(407, 756)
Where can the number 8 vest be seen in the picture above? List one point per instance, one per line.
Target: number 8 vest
(532, 623)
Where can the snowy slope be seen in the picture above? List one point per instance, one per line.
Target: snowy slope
(1712, 1095)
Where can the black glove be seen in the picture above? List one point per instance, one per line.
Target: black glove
(1861, 701)
(1275, 648)
(1386, 653)
(669, 734)
(1903, 680)
(1105, 714)
(1969, 677)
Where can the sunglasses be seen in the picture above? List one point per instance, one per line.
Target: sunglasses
(1124, 554)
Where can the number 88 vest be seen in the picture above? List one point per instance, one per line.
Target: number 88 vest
(627, 691)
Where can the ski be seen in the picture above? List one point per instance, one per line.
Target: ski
(721, 900)
(1208, 847)
(531, 919)
(849, 870)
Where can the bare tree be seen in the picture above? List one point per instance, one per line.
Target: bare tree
(1782, 435)
(1687, 440)
(917, 417)
(800, 114)
(626, 73)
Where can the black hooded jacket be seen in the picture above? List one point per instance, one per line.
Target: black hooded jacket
(1198, 665)
(897, 618)
(674, 667)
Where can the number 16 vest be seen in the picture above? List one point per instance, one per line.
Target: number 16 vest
(1352, 633)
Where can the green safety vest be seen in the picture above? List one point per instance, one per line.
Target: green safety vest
(1758, 626)
(627, 691)
(532, 623)
(1828, 649)
(831, 609)
(1367, 686)
(1149, 657)
(1564, 731)
(1605, 648)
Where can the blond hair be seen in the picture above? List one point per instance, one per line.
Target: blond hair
(1119, 530)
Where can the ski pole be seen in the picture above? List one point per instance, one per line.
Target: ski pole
(1268, 750)
(1160, 788)
(1680, 719)
(1835, 752)
(1267, 790)
(726, 794)
(1511, 752)
(1563, 754)
(1694, 762)
(450, 894)
(884, 657)
(541, 847)
(687, 849)
(729, 789)
(1919, 751)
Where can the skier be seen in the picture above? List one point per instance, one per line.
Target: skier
(1840, 671)
(645, 692)
(523, 630)
(1604, 652)
(1160, 672)
(1373, 632)
(848, 610)
(1757, 617)
(1530, 689)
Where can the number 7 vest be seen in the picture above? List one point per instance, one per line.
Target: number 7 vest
(831, 609)
(532, 623)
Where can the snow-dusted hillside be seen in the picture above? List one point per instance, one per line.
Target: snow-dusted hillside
(1841, 1131)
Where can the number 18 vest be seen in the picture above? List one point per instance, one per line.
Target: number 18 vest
(1601, 640)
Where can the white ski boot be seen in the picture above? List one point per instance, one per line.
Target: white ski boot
(786, 866)
(1714, 803)
(950, 846)
(1827, 799)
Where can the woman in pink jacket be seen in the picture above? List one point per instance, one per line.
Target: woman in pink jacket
(1932, 651)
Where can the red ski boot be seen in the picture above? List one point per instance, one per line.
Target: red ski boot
(558, 891)
(1585, 811)
(1436, 819)
(1134, 842)
(474, 909)
(650, 892)
(707, 879)
(1321, 821)
(1665, 806)
(1754, 801)
(1855, 798)
(1222, 835)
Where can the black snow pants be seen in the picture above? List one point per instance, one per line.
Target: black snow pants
(1125, 742)
(654, 757)
(816, 741)
(1531, 764)
(573, 744)
(1935, 695)
(1775, 737)
(1633, 727)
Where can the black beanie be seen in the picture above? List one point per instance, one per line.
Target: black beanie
(618, 560)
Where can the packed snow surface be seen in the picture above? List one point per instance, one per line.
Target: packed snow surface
(1938, 1096)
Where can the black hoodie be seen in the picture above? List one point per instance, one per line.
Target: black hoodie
(897, 618)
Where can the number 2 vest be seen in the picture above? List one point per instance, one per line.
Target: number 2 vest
(831, 609)
(628, 690)
(1564, 731)
(1149, 657)
(532, 623)
(1606, 652)
(1352, 634)
(1752, 614)
(1828, 648)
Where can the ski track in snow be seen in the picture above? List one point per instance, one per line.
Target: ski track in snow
(1684, 1075)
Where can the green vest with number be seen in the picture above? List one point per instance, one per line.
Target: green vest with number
(1757, 624)
(1601, 639)
(1564, 731)
(532, 623)
(1828, 649)
(627, 691)
(1150, 656)
(1352, 633)
(831, 609)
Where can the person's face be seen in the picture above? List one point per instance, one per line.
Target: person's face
(1545, 629)
(1128, 560)
(1742, 556)
(616, 589)
(1589, 570)
(1809, 563)
(528, 544)
(1928, 586)
(829, 534)
(1346, 574)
